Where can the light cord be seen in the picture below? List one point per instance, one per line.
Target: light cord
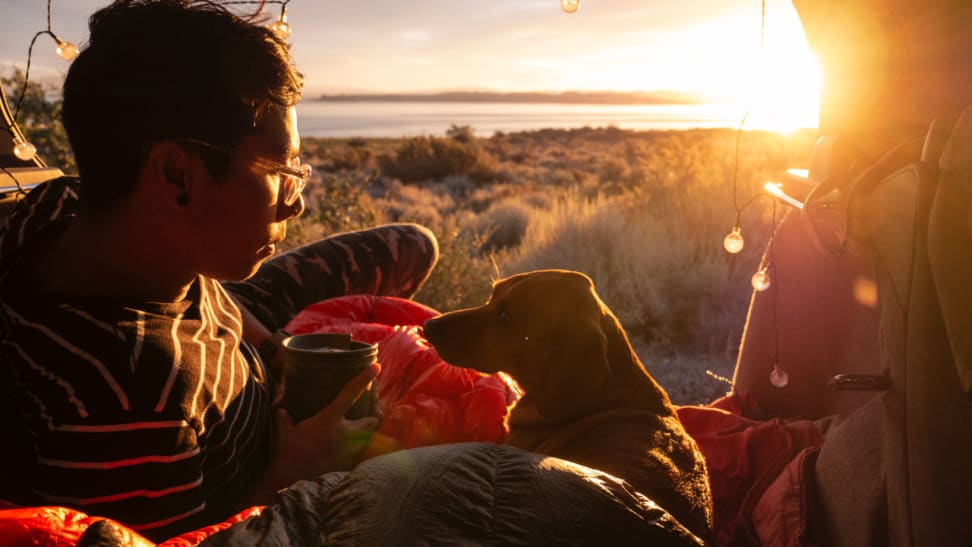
(742, 124)
(20, 188)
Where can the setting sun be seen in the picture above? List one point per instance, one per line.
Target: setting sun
(777, 79)
(771, 73)
(787, 88)
(788, 95)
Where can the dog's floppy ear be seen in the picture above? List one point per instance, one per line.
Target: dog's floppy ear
(579, 372)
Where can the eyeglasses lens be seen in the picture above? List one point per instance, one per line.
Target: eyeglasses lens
(293, 185)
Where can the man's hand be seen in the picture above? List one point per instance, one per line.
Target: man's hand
(327, 441)
(323, 443)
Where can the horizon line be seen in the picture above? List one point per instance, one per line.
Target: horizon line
(570, 96)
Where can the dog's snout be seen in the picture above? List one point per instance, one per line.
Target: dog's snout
(431, 328)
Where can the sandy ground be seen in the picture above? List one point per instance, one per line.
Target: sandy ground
(688, 379)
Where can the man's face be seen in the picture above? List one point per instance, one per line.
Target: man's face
(241, 217)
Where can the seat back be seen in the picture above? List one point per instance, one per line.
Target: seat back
(911, 480)
(883, 299)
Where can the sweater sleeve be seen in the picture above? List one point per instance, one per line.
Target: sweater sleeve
(388, 260)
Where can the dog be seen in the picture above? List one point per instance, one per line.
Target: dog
(586, 395)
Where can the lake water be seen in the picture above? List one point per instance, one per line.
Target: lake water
(395, 119)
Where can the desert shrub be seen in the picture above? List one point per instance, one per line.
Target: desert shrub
(457, 186)
(423, 204)
(461, 133)
(537, 199)
(463, 277)
(564, 177)
(425, 215)
(558, 238)
(485, 170)
(504, 224)
(666, 284)
(497, 145)
(426, 158)
(483, 197)
(333, 203)
(347, 158)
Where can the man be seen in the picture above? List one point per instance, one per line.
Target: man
(129, 383)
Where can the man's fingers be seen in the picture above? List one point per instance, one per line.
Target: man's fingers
(369, 423)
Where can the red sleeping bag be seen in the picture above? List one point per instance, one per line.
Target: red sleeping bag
(62, 527)
(759, 471)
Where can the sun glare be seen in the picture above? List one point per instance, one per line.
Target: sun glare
(778, 83)
(786, 80)
(788, 95)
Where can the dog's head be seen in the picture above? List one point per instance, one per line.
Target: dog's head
(544, 328)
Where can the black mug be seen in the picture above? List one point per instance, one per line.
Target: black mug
(317, 366)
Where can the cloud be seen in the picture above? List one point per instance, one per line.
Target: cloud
(415, 36)
(417, 60)
(500, 44)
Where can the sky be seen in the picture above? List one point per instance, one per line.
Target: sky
(710, 47)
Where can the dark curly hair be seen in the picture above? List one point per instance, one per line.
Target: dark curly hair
(167, 69)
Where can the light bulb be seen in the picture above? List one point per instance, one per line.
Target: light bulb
(734, 241)
(761, 279)
(569, 6)
(779, 377)
(24, 150)
(280, 27)
(66, 50)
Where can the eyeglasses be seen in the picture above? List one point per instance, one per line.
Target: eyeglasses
(293, 177)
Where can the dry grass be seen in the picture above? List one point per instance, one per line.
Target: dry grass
(642, 213)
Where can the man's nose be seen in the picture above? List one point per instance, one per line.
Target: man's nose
(285, 212)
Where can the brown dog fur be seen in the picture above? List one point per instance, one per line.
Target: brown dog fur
(587, 397)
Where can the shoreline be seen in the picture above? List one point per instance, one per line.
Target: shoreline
(360, 140)
(395, 119)
(659, 97)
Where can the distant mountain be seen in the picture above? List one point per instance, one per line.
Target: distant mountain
(579, 97)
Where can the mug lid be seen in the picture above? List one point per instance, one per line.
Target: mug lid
(329, 343)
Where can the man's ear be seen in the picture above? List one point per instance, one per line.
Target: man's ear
(166, 170)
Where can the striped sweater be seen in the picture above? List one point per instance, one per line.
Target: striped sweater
(154, 414)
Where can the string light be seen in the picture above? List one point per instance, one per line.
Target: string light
(280, 26)
(66, 50)
(23, 149)
(761, 279)
(569, 6)
(734, 242)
